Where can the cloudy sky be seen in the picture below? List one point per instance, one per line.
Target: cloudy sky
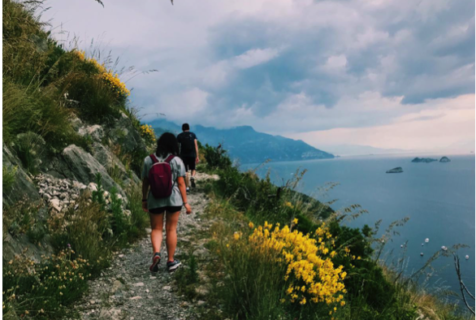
(382, 73)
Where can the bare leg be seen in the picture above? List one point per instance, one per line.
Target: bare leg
(193, 173)
(171, 227)
(187, 179)
(157, 226)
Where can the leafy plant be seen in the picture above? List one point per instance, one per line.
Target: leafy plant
(216, 157)
(98, 194)
(30, 147)
(119, 222)
(59, 280)
(85, 230)
(9, 174)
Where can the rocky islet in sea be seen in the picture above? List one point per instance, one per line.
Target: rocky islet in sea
(425, 160)
(395, 170)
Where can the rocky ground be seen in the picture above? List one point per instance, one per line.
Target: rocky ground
(127, 290)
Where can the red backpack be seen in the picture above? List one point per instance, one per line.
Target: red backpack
(160, 177)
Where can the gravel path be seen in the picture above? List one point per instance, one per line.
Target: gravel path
(128, 290)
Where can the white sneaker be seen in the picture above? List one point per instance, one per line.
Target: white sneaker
(188, 189)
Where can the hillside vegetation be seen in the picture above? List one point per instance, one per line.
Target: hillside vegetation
(72, 152)
(282, 255)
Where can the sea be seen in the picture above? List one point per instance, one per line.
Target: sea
(438, 198)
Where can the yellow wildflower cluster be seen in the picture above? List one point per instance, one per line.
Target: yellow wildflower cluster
(310, 273)
(116, 84)
(147, 133)
(112, 79)
(55, 277)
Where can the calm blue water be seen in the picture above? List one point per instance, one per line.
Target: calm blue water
(439, 199)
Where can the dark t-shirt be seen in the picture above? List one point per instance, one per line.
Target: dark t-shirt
(187, 144)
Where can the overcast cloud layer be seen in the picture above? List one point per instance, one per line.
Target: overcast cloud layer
(391, 74)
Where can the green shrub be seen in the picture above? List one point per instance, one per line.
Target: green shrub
(216, 158)
(97, 102)
(30, 148)
(86, 231)
(9, 175)
(187, 278)
(119, 223)
(36, 111)
(98, 194)
(138, 220)
(25, 218)
(43, 291)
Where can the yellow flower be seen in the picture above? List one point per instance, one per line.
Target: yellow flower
(251, 225)
(236, 235)
(310, 275)
(295, 221)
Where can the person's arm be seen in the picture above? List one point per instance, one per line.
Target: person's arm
(183, 192)
(196, 150)
(145, 191)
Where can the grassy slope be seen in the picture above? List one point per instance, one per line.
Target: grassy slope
(373, 292)
(44, 85)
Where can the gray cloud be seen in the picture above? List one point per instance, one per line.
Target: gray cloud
(286, 66)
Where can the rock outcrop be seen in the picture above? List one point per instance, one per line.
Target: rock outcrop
(395, 170)
(83, 167)
(112, 164)
(60, 195)
(424, 160)
(96, 132)
(124, 134)
(445, 159)
(23, 187)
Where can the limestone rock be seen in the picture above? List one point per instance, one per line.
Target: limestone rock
(23, 186)
(110, 161)
(83, 168)
(76, 123)
(126, 135)
(96, 132)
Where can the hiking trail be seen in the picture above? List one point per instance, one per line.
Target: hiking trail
(128, 290)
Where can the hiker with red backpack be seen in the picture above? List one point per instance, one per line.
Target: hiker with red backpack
(164, 194)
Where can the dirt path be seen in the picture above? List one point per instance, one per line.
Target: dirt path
(127, 290)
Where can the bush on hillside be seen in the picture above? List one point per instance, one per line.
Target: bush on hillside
(86, 231)
(29, 147)
(283, 263)
(9, 176)
(216, 158)
(43, 290)
(94, 231)
(44, 83)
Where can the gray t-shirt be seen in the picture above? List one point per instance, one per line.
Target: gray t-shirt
(175, 199)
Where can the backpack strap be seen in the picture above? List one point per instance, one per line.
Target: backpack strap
(169, 158)
(154, 158)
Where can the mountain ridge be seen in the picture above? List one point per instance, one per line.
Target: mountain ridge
(247, 144)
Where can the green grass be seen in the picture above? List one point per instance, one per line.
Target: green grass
(9, 175)
(44, 85)
(373, 292)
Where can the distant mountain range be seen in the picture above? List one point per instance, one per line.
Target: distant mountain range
(359, 150)
(246, 144)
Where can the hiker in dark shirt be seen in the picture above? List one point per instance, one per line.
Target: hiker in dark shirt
(188, 153)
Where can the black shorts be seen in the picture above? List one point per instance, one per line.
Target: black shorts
(165, 209)
(189, 162)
